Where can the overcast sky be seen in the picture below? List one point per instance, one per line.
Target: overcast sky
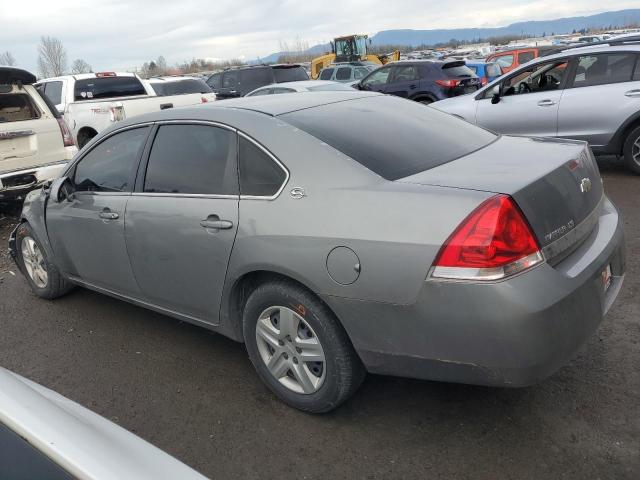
(118, 34)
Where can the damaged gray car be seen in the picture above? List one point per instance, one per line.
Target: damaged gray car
(337, 233)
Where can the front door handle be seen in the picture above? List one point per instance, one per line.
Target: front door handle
(632, 93)
(214, 222)
(546, 103)
(107, 214)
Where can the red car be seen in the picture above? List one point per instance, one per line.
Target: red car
(510, 59)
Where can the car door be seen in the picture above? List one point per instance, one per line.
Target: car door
(404, 81)
(377, 80)
(603, 91)
(87, 232)
(529, 101)
(182, 220)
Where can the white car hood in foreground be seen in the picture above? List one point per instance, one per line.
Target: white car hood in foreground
(85, 444)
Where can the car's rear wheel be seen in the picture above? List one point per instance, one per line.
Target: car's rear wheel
(298, 347)
(631, 150)
(43, 277)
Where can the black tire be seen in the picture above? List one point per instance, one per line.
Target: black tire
(84, 137)
(56, 285)
(628, 150)
(344, 370)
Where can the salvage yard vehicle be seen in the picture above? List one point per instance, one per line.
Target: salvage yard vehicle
(181, 85)
(590, 93)
(238, 81)
(509, 60)
(91, 102)
(427, 248)
(302, 86)
(45, 436)
(425, 81)
(35, 142)
(486, 71)
(347, 72)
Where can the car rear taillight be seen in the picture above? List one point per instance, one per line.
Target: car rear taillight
(448, 83)
(493, 242)
(67, 137)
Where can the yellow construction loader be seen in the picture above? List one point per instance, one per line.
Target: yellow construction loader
(350, 48)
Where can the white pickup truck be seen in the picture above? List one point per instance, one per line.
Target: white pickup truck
(91, 102)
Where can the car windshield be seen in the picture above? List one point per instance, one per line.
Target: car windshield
(107, 87)
(180, 87)
(402, 138)
(290, 74)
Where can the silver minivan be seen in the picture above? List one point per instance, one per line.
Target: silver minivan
(588, 93)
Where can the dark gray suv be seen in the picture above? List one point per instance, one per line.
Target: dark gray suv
(237, 82)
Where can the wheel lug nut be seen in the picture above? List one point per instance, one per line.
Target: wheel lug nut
(286, 356)
(280, 342)
(295, 360)
(298, 349)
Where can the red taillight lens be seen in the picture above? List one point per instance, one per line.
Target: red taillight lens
(67, 137)
(484, 81)
(203, 100)
(494, 241)
(448, 83)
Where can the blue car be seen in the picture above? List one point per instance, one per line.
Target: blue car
(486, 71)
(424, 81)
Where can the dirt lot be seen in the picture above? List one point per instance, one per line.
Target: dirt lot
(194, 394)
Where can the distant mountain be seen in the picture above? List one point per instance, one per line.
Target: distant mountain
(414, 38)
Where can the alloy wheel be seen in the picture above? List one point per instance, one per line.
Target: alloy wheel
(635, 151)
(291, 350)
(34, 262)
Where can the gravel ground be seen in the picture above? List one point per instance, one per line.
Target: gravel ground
(195, 395)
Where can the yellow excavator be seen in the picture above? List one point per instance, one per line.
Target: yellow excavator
(350, 48)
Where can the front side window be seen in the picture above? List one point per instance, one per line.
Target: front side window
(379, 77)
(360, 72)
(504, 61)
(604, 68)
(110, 165)
(542, 77)
(192, 159)
(107, 87)
(326, 74)
(343, 73)
(406, 73)
(260, 176)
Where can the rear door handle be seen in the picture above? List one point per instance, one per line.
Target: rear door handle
(546, 103)
(165, 106)
(107, 214)
(214, 222)
(632, 93)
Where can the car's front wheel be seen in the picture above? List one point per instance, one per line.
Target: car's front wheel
(43, 277)
(631, 150)
(298, 347)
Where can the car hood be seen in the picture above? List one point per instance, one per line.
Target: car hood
(83, 443)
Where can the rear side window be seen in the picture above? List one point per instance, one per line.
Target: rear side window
(403, 138)
(524, 57)
(253, 78)
(17, 107)
(343, 73)
(192, 159)
(180, 87)
(290, 74)
(405, 73)
(214, 80)
(106, 87)
(53, 90)
(504, 61)
(230, 80)
(326, 74)
(110, 166)
(260, 176)
(604, 68)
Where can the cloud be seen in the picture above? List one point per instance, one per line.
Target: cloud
(115, 34)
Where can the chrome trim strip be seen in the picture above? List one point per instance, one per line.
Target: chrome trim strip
(187, 195)
(197, 122)
(275, 159)
(16, 134)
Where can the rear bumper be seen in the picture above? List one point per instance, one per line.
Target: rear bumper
(17, 183)
(510, 333)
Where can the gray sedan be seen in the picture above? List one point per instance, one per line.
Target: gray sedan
(336, 233)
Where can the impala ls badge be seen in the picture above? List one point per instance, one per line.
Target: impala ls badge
(585, 185)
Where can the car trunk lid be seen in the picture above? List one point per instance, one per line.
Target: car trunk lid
(556, 184)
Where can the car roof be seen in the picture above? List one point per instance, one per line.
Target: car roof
(571, 51)
(177, 78)
(9, 75)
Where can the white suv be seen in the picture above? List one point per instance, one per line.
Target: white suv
(35, 142)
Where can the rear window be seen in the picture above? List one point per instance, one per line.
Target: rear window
(455, 70)
(180, 87)
(290, 74)
(253, 78)
(107, 87)
(390, 136)
(17, 107)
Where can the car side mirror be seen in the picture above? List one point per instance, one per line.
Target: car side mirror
(495, 97)
(61, 189)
